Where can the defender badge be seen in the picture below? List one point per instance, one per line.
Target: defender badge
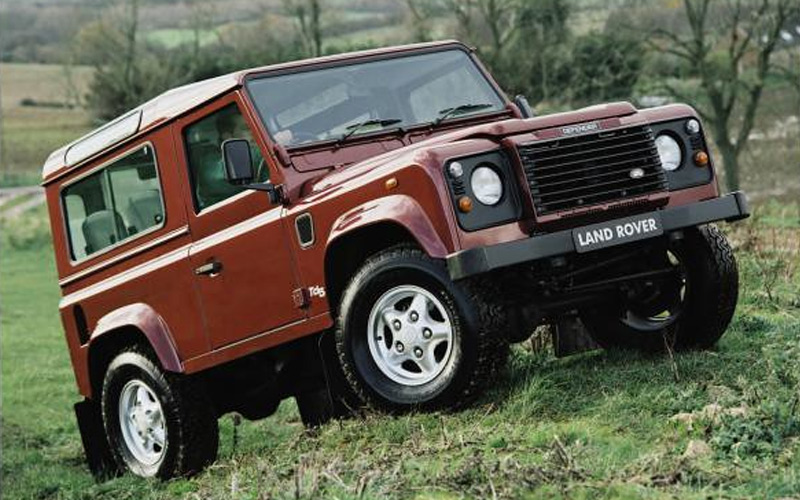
(580, 128)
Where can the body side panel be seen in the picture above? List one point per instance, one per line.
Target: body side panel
(151, 270)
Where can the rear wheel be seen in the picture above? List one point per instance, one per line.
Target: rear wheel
(690, 306)
(409, 338)
(157, 423)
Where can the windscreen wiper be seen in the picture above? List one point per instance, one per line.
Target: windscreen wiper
(446, 113)
(352, 129)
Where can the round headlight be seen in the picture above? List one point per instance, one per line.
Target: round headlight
(669, 151)
(486, 185)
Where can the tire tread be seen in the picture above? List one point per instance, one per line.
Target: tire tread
(492, 348)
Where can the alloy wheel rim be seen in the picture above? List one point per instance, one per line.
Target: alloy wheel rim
(410, 335)
(142, 422)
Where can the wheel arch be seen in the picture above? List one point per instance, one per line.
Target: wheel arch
(371, 227)
(345, 254)
(132, 325)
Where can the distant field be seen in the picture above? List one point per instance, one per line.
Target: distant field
(32, 132)
(174, 37)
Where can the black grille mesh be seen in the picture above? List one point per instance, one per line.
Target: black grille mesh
(586, 170)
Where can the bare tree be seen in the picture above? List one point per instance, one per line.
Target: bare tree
(419, 17)
(501, 19)
(490, 23)
(307, 14)
(201, 20)
(126, 71)
(2, 137)
(789, 68)
(731, 64)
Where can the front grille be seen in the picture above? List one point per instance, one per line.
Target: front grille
(575, 172)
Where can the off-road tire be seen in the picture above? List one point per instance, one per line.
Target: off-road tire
(478, 327)
(711, 296)
(192, 430)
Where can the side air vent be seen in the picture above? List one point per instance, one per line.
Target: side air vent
(304, 224)
(80, 324)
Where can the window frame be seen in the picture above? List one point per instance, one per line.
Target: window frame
(105, 165)
(254, 132)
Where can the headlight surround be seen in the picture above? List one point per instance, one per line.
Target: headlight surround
(486, 193)
(670, 152)
(688, 174)
(487, 186)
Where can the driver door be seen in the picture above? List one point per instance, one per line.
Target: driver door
(243, 266)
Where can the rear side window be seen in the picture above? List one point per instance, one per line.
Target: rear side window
(113, 204)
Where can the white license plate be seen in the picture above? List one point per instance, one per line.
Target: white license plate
(617, 232)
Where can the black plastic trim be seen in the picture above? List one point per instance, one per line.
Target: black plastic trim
(508, 209)
(688, 174)
(93, 437)
(730, 208)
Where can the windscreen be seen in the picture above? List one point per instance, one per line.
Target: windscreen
(342, 101)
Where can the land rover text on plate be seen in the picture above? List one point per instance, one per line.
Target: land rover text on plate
(366, 230)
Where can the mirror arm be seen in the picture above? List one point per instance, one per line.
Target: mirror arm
(275, 193)
(525, 109)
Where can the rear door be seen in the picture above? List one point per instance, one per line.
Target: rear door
(242, 262)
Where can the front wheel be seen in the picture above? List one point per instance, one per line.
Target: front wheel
(689, 308)
(157, 424)
(409, 338)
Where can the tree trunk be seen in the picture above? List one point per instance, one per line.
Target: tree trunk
(730, 160)
(316, 27)
(3, 166)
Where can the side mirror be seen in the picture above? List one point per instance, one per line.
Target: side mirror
(238, 162)
(524, 106)
(239, 170)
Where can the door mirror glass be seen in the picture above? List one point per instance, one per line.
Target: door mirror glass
(238, 161)
(524, 106)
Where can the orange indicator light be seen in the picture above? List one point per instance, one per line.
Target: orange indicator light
(701, 158)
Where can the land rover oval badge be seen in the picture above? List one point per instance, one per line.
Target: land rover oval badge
(636, 173)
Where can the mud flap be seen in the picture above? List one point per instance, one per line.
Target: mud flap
(335, 399)
(572, 337)
(93, 436)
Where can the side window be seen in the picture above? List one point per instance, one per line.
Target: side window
(114, 203)
(204, 140)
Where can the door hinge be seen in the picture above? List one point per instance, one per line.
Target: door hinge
(301, 298)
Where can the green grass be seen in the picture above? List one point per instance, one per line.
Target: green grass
(591, 426)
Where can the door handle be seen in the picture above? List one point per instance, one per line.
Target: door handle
(211, 268)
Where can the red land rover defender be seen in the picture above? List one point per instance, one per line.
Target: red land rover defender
(368, 229)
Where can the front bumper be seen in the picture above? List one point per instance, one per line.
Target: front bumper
(731, 207)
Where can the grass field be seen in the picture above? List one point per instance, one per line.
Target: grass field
(598, 425)
(32, 132)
